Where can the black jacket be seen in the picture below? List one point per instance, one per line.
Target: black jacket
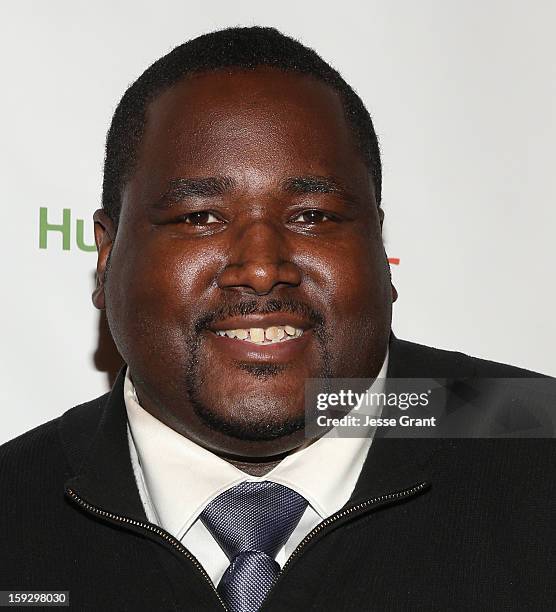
(433, 524)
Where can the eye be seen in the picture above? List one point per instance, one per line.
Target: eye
(312, 216)
(202, 217)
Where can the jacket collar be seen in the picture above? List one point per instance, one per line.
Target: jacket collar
(395, 464)
(103, 473)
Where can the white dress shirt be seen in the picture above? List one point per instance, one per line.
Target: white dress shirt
(177, 478)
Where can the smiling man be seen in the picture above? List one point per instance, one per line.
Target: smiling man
(250, 209)
(240, 254)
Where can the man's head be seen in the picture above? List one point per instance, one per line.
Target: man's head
(241, 193)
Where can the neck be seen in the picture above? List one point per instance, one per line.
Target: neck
(260, 467)
(254, 468)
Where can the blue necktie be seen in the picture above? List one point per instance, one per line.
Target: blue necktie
(251, 522)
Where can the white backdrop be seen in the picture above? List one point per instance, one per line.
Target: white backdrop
(463, 95)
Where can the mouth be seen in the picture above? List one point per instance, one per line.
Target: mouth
(274, 337)
(262, 336)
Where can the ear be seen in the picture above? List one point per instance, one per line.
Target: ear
(394, 290)
(104, 239)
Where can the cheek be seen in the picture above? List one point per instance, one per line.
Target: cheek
(155, 292)
(351, 277)
(353, 287)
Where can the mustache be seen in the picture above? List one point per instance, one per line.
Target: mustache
(252, 306)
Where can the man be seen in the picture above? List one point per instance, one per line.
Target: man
(240, 254)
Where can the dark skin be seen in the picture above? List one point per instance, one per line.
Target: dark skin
(250, 206)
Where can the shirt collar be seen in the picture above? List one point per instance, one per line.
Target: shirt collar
(181, 477)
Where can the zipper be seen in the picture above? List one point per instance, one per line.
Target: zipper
(151, 528)
(312, 534)
(345, 513)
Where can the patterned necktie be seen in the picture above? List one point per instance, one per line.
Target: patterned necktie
(251, 522)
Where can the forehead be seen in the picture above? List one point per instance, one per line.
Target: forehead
(248, 117)
(263, 93)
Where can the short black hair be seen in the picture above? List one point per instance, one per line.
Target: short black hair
(244, 48)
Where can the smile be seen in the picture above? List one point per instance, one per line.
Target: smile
(262, 336)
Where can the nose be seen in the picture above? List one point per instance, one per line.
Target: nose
(259, 260)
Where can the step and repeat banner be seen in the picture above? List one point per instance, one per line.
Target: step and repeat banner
(463, 96)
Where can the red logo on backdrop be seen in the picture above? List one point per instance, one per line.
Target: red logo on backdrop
(394, 260)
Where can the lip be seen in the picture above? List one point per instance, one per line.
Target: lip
(262, 321)
(277, 352)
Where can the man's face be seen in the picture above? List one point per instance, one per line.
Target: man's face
(250, 209)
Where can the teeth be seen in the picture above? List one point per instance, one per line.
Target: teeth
(258, 335)
(274, 333)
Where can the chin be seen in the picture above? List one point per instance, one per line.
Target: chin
(251, 418)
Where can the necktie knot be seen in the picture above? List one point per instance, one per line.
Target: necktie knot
(251, 522)
(257, 516)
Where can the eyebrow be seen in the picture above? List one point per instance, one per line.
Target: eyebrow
(300, 185)
(312, 184)
(212, 186)
(182, 188)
